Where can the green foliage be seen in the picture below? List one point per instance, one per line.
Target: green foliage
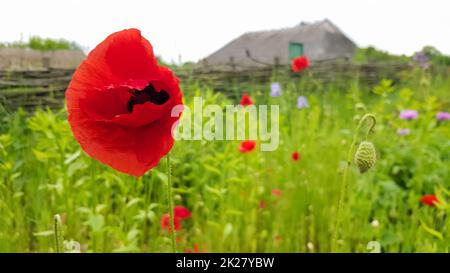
(44, 44)
(436, 57)
(372, 55)
(48, 44)
(384, 88)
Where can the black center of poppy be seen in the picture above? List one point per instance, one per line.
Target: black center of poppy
(147, 94)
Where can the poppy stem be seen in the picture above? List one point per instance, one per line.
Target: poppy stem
(344, 183)
(57, 234)
(147, 195)
(170, 201)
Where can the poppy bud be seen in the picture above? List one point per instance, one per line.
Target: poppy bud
(365, 156)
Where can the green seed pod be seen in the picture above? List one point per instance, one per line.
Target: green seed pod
(365, 156)
(360, 107)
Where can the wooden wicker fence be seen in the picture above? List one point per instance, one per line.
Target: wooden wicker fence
(40, 88)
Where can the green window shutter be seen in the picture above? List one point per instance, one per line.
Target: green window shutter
(295, 50)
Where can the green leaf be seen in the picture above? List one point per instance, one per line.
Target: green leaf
(44, 233)
(234, 212)
(212, 170)
(162, 176)
(227, 229)
(217, 192)
(132, 202)
(96, 222)
(75, 167)
(431, 231)
(41, 156)
(72, 157)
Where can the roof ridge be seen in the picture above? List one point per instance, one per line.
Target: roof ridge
(300, 25)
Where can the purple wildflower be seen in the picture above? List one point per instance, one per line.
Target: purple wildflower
(302, 102)
(443, 116)
(421, 59)
(275, 89)
(403, 131)
(409, 114)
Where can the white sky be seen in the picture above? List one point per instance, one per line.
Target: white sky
(196, 28)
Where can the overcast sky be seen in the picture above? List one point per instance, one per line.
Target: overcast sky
(193, 29)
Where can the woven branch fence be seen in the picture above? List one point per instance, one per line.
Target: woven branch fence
(339, 74)
(46, 87)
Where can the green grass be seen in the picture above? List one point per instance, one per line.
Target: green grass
(43, 172)
(43, 44)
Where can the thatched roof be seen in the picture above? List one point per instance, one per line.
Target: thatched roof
(23, 59)
(322, 41)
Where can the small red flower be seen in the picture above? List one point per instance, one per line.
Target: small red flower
(276, 192)
(262, 204)
(299, 63)
(295, 156)
(247, 146)
(246, 100)
(429, 200)
(195, 250)
(165, 222)
(120, 101)
(179, 214)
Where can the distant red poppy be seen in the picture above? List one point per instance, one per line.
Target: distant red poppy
(246, 100)
(179, 214)
(276, 192)
(165, 222)
(295, 156)
(247, 146)
(196, 249)
(429, 200)
(262, 204)
(299, 63)
(120, 101)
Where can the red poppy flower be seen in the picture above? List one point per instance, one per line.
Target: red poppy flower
(246, 100)
(295, 156)
(247, 146)
(429, 200)
(181, 212)
(299, 63)
(120, 101)
(276, 192)
(262, 204)
(165, 222)
(196, 249)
